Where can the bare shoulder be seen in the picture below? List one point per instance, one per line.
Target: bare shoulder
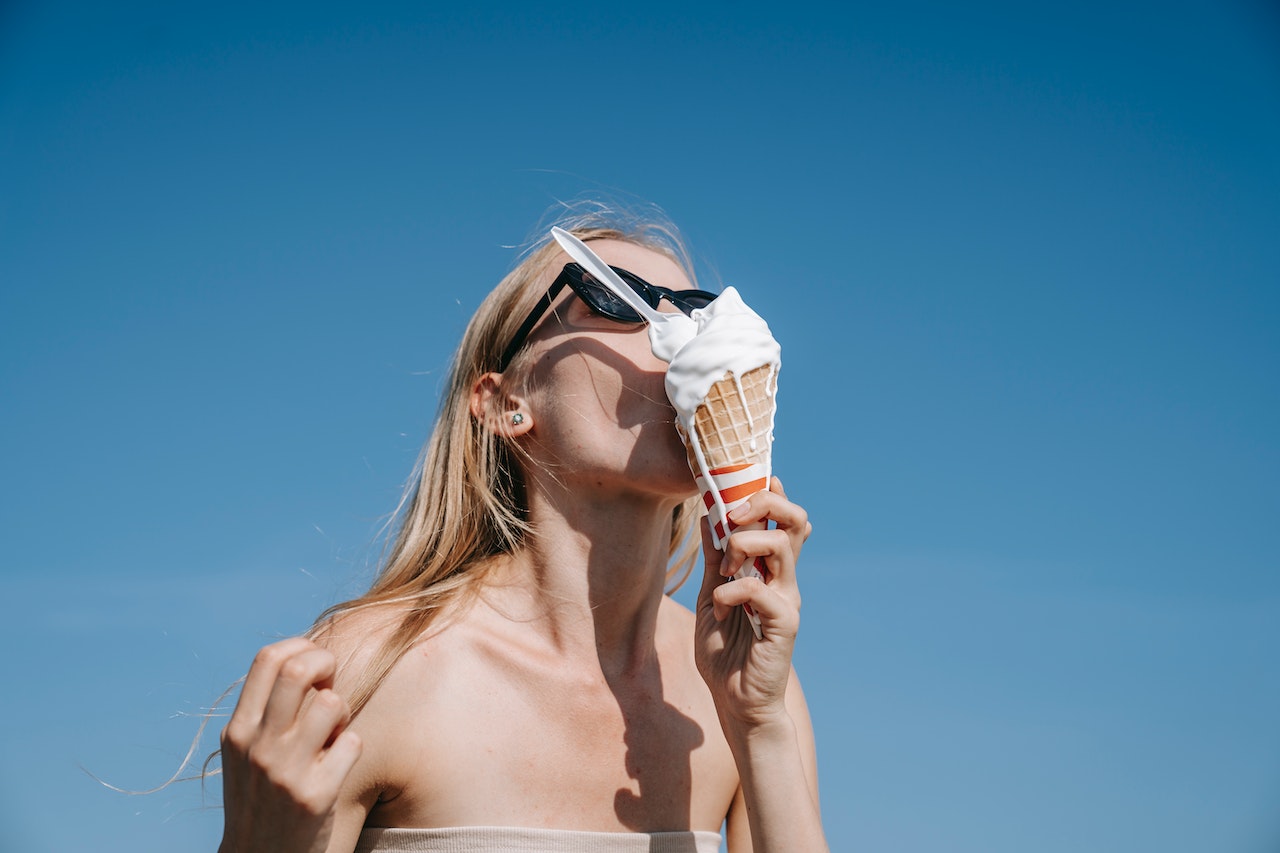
(400, 676)
(355, 635)
(364, 643)
(378, 652)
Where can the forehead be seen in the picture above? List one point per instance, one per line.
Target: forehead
(652, 266)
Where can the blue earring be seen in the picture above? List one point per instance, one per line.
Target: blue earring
(517, 419)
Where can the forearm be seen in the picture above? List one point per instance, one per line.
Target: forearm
(779, 790)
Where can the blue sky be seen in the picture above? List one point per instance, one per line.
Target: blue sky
(1022, 259)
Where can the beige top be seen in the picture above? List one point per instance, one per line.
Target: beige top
(503, 839)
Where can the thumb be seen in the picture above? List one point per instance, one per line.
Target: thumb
(712, 559)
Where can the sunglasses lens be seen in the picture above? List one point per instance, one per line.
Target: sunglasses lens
(693, 299)
(605, 302)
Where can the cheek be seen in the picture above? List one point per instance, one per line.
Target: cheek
(602, 381)
(577, 392)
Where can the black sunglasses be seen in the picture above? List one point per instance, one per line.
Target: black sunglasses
(603, 301)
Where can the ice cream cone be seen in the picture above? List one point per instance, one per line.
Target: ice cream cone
(733, 435)
(734, 422)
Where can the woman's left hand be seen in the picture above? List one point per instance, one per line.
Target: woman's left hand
(748, 677)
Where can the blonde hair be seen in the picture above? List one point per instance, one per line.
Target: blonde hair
(464, 505)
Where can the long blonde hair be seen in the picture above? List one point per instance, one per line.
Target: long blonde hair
(464, 505)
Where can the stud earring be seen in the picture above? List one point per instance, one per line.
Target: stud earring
(517, 419)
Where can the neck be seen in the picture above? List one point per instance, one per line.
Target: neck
(591, 576)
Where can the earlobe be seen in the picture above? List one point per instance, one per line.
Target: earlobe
(519, 421)
(502, 414)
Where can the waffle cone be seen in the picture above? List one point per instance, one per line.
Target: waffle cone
(734, 422)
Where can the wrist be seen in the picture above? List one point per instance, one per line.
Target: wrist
(762, 729)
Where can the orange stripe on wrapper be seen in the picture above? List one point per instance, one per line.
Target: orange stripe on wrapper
(727, 488)
(730, 505)
(732, 485)
(734, 494)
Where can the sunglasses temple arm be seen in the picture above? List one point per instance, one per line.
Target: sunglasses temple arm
(518, 340)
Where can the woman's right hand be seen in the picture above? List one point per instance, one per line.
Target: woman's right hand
(285, 753)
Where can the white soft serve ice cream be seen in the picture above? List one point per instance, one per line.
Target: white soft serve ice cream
(731, 341)
(730, 337)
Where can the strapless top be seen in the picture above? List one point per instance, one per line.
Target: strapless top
(504, 839)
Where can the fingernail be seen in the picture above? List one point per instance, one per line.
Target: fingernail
(740, 512)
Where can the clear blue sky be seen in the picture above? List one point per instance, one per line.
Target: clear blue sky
(1022, 258)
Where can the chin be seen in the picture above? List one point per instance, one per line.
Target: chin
(683, 484)
(667, 475)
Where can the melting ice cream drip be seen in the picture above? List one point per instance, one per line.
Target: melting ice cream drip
(688, 430)
(731, 341)
(730, 338)
(746, 407)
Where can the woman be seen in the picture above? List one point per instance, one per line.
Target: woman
(517, 664)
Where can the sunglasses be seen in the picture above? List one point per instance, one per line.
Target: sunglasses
(603, 301)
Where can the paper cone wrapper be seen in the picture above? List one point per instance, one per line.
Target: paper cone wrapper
(734, 432)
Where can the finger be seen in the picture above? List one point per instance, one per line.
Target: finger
(262, 677)
(322, 721)
(774, 546)
(801, 525)
(805, 529)
(711, 562)
(336, 762)
(313, 667)
(789, 516)
(772, 506)
(775, 612)
(315, 791)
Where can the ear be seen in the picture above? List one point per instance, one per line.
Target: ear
(500, 413)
